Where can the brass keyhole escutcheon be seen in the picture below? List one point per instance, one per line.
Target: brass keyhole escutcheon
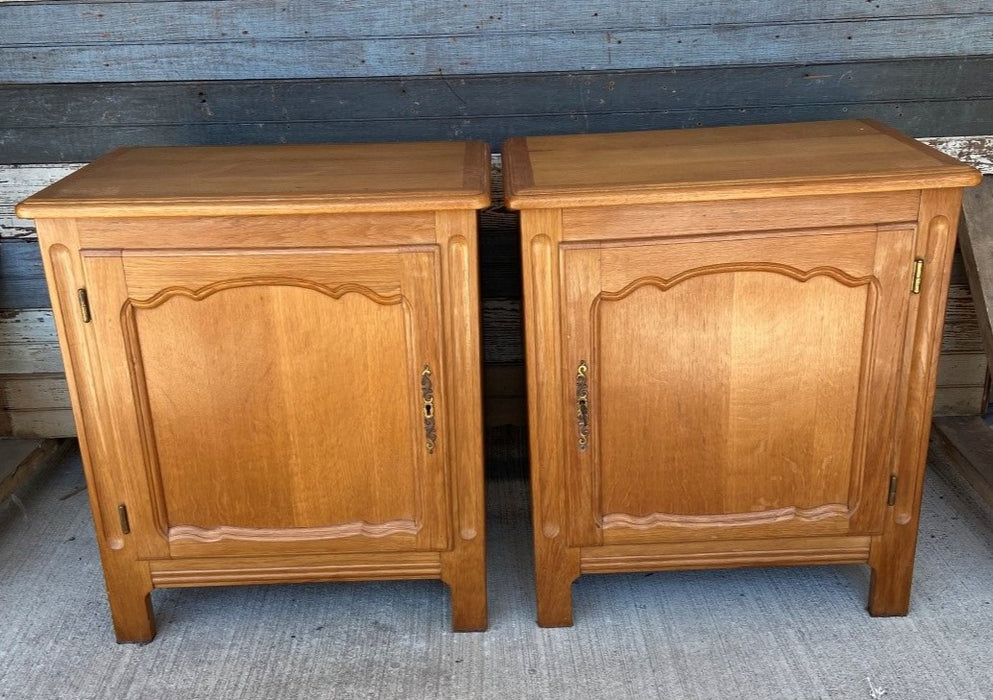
(583, 405)
(427, 401)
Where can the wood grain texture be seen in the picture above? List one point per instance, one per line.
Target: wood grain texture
(127, 579)
(818, 158)
(205, 20)
(44, 454)
(891, 554)
(961, 331)
(556, 564)
(961, 400)
(142, 41)
(703, 555)
(969, 441)
(464, 563)
(204, 571)
(33, 392)
(27, 326)
(962, 369)
(252, 180)
(41, 423)
(30, 358)
(49, 123)
(800, 463)
(745, 385)
(283, 382)
(744, 216)
(18, 182)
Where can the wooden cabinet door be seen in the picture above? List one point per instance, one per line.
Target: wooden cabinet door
(743, 386)
(273, 402)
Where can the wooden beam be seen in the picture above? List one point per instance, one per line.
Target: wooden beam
(33, 392)
(48, 423)
(70, 42)
(31, 358)
(46, 453)
(968, 441)
(58, 122)
(976, 243)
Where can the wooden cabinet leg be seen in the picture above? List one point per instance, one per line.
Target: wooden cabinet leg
(464, 570)
(129, 592)
(891, 559)
(555, 568)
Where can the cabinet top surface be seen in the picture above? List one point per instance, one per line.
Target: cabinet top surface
(746, 162)
(252, 180)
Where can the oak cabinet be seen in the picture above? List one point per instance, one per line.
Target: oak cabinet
(731, 339)
(274, 358)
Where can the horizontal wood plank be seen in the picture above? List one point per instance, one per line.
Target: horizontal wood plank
(12, 455)
(20, 258)
(34, 392)
(40, 455)
(961, 331)
(27, 326)
(975, 150)
(37, 424)
(18, 182)
(23, 293)
(73, 123)
(206, 20)
(502, 331)
(962, 369)
(81, 47)
(969, 442)
(593, 92)
(73, 144)
(30, 358)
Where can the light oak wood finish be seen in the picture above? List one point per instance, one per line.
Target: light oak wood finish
(729, 363)
(276, 374)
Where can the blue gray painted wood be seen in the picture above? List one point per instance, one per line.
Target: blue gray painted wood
(212, 20)
(231, 40)
(77, 122)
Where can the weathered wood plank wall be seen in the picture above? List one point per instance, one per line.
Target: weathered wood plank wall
(213, 40)
(80, 78)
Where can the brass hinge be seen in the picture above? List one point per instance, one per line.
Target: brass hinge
(122, 513)
(84, 305)
(891, 496)
(918, 274)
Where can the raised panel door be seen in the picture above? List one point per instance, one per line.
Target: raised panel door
(733, 388)
(280, 402)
